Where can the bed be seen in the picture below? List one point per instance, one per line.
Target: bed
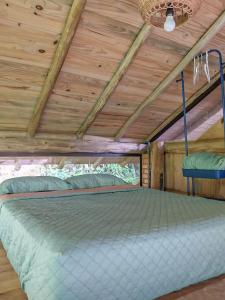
(204, 165)
(111, 243)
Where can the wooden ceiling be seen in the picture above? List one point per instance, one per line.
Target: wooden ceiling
(91, 76)
(199, 120)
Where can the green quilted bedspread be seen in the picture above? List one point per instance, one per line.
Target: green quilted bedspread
(121, 245)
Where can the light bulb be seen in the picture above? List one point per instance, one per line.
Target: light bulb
(170, 24)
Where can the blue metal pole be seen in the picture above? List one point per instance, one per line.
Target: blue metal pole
(185, 125)
(221, 65)
(185, 114)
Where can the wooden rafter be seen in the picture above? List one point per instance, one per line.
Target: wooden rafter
(110, 87)
(207, 36)
(189, 102)
(57, 62)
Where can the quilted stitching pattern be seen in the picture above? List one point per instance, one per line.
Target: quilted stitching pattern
(135, 245)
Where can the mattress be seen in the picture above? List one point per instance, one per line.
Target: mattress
(135, 244)
(204, 161)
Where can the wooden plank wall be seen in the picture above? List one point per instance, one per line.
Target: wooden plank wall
(157, 165)
(212, 141)
(176, 182)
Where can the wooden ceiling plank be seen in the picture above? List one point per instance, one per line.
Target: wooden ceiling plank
(177, 112)
(202, 42)
(198, 128)
(110, 87)
(57, 62)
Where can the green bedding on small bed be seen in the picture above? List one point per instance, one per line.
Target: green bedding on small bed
(115, 245)
(204, 161)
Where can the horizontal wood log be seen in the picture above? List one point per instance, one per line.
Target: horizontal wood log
(65, 137)
(32, 145)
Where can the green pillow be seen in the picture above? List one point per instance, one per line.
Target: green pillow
(33, 184)
(94, 180)
(204, 161)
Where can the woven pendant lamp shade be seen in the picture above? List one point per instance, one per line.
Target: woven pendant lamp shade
(154, 11)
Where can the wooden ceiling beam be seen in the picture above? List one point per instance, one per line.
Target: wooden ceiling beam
(179, 111)
(117, 76)
(32, 145)
(69, 30)
(202, 42)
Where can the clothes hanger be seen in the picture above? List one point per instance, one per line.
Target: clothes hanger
(206, 67)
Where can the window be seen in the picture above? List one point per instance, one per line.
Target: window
(127, 168)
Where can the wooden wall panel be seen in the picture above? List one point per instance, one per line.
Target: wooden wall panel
(176, 182)
(215, 132)
(157, 164)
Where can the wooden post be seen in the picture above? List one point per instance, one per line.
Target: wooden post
(157, 164)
